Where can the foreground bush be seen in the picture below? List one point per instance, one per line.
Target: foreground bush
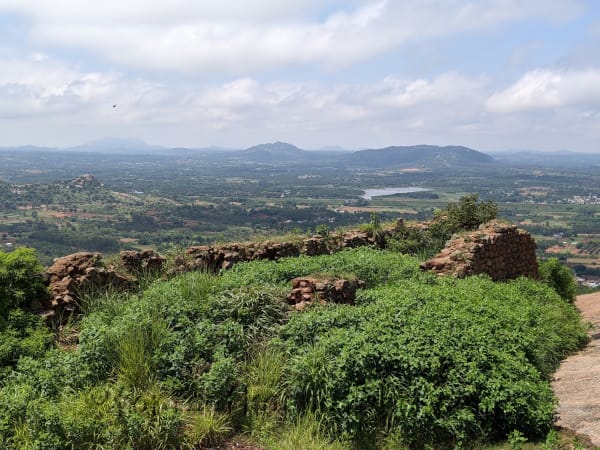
(20, 279)
(371, 266)
(559, 277)
(21, 333)
(444, 362)
(182, 364)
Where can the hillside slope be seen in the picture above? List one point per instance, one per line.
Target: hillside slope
(430, 156)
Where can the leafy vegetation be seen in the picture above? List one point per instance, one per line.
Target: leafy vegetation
(20, 279)
(186, 362)
(466, 214)
(559, 278)
(444, 361)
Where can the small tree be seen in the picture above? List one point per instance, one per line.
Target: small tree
(20, 279)
(469, 212)
(322, 230)
(558, 277)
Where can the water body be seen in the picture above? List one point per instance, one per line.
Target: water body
(370, 193)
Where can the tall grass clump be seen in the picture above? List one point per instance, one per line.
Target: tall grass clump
(134, 350)
(206, 427)
(305, 432)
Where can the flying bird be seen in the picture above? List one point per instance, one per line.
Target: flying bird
(115, 105)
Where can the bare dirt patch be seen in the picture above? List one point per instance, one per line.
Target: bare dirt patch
(577, 381)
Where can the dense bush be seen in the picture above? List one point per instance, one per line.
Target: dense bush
(416, 361)
(20, 279)
(21, 333)
(371, 266)
(469, 212)
(466, 214)
(558, 277)
(445, 361)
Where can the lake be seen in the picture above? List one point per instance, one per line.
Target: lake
(370, 193)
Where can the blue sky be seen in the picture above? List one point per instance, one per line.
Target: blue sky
(489, 74)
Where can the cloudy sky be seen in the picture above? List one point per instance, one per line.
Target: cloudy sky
(489, 74)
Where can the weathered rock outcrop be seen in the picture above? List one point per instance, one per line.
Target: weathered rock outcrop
(500, 250)
(72, 275)
(146, 260)
(308, 290)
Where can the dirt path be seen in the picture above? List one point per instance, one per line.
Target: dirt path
(577, 381)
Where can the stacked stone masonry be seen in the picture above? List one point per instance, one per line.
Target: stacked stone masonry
(222, 257)
(73, 275)
(146, 260)
(499, 250)
(307, 291)
(502, 251)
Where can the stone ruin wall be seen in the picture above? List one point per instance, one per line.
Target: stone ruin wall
(222, 257)
(500, 250)
(310, 290)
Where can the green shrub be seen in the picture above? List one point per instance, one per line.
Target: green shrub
(23, 334)
(104, 416)
(467, 214)
(371, 266)
(20, 279)
(443, 362)
(206, 428)
(558, 277)
(470, 212)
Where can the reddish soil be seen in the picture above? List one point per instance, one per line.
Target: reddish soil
(577, 381)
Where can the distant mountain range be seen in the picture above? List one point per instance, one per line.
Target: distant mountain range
(560, 159)
(417, 156)
(421, 156)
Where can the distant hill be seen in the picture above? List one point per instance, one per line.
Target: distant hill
(429, 156)
(282, 153)
(276, 152)
(116, 145)
(560, 159)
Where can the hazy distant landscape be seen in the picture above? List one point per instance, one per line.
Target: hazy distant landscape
(299, 225)
(144, 196)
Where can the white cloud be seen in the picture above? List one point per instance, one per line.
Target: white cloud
(43, 101)
(541, 89)
(251, 36)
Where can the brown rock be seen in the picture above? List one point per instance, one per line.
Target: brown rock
(73, 274)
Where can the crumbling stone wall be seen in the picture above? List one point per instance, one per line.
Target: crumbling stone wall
(72, 275)
(500, 250)
(222, 257)
(146, 260)
(308, 290)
